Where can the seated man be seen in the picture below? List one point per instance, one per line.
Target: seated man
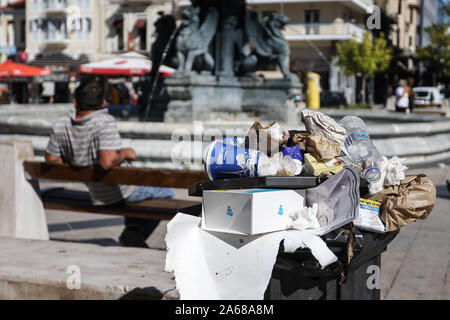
(90, 137)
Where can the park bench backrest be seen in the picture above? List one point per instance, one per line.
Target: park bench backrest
(181, 179)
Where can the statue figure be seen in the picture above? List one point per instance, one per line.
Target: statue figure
(268, 39)
(194, 38)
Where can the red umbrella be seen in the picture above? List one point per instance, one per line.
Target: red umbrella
(10, 69)
(128, 64)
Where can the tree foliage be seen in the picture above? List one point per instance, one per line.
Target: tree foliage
(367, 57)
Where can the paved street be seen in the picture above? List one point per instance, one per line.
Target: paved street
(416, 265)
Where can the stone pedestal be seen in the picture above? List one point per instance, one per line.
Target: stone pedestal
(203, 97)
(21, 211)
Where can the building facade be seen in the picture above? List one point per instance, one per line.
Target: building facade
(12, 29)
(90, 30)
(400, 22)
(62, 34)
(314, 30)
(405, 17)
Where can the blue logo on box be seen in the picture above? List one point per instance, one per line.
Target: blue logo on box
(229, 211)
(281, 211)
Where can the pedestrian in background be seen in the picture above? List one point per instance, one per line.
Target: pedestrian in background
(402, 97)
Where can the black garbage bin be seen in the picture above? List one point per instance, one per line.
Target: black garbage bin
(298, 276)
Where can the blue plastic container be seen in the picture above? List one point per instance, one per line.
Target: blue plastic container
(221, 161)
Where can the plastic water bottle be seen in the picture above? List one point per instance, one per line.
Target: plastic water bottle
(361, 149)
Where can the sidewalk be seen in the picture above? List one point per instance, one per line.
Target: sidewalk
(415, 266)
(417, 263)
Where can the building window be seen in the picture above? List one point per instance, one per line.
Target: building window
(23, 32)
(120, 39)
(312, 19)
(48, 29)
(55, 4)
(117, 25)
(82, 28)
(141, 31)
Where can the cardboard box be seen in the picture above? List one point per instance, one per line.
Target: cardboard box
(249, 212)
(316, 167)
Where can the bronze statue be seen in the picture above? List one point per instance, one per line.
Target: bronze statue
(194, 38)
(268, 39)
(216, 36)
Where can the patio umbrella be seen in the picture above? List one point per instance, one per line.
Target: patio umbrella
(128, 64)
(10, 69)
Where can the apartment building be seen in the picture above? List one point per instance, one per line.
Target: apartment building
(90, 30)
(62, 34)
(405, 17)
(12, 28)
(315, 28)
(128, 25)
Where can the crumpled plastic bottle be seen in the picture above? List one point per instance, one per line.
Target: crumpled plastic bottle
(361, 149)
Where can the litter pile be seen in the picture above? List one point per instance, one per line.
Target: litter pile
(354, 188)
(389, 199)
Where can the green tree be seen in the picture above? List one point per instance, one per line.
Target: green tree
(436, 56)
(365, 58)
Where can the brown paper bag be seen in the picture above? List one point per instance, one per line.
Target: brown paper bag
(297, 138)
(259, 138)
(322, 148)
(401, 205)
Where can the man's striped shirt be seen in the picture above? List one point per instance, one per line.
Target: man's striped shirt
(78, 142)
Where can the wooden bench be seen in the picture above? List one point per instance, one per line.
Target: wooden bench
(79, 201)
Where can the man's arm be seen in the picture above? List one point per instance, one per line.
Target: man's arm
(111, 153)
(111, 158)
(53, 159)
(53, 153)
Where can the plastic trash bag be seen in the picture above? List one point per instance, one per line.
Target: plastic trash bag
(401, 205)
(321, 124)
(279, 165)
(337, 198)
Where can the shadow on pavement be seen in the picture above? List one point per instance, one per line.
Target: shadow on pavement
(104, 242)
(442, 192)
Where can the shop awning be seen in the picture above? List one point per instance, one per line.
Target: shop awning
(18, 4)
(129, 64)
(141, 23)
(10, 69)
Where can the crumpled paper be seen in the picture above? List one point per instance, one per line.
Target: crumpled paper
(413, 199)
(218, 266)
(305, 219)
(321, 124)
(267, 139)
(323, 148)
(392, 173)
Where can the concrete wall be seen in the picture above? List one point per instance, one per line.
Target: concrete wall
(21, 211)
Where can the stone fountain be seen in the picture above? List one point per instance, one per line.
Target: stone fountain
(219, 48)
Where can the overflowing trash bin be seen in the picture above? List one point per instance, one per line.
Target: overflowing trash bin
(317, 208)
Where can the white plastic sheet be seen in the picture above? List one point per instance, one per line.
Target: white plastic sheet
(218, 266)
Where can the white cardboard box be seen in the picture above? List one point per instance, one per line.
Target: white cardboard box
(249, 212)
